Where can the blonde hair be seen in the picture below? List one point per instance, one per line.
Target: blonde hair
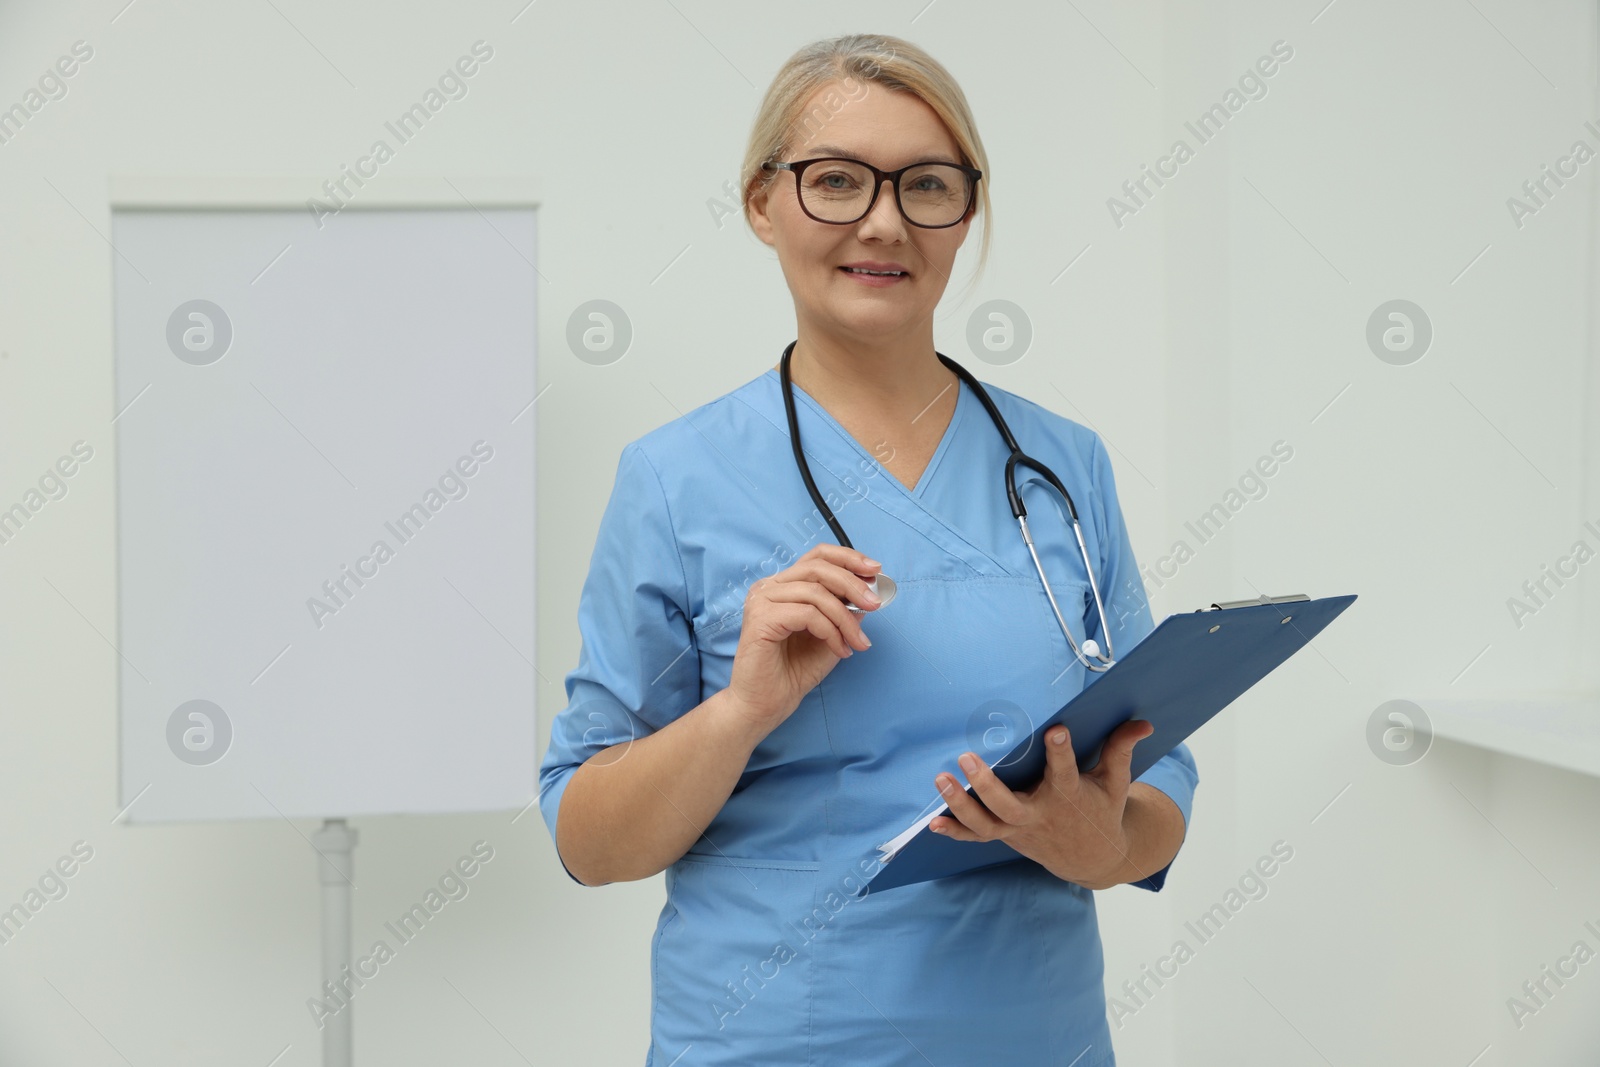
(895, 64)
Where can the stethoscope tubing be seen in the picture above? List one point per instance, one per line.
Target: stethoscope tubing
(1019, 511)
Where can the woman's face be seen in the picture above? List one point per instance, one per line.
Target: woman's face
(888, 130)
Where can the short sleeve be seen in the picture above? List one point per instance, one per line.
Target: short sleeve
(638, 667)
(1128, 615)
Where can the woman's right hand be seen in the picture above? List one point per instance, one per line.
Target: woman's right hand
(796, 628)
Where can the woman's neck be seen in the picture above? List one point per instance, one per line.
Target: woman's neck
(887, 379)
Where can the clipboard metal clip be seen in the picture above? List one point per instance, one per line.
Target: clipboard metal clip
(1287, 598)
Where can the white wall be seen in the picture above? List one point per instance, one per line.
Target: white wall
(1220, 318)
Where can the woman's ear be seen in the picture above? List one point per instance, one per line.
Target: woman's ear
(759, 220)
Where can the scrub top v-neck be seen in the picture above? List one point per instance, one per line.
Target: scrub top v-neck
(764, 951)
(938, 453)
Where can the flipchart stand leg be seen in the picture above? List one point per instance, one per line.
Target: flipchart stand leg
(336, 842)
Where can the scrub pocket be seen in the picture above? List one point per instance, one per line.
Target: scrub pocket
(731, 968)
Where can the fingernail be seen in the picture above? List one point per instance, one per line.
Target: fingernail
(1059, 737)
(945, 785)
(867, 639)
(969, 763)
(872, 562)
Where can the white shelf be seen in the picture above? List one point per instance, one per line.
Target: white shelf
(1561, 730)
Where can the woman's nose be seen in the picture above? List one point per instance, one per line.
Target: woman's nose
(885, 214)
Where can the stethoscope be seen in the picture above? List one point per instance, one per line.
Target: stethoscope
(883, 586)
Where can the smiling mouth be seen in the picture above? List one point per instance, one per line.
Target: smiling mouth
(877, 273)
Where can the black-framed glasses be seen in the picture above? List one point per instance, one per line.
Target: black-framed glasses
(840, 190)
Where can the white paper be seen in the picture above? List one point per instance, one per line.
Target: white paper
(891, 848)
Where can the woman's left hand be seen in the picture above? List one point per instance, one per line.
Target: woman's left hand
(1071, 822)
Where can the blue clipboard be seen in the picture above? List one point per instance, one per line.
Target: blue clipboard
(1184, 672)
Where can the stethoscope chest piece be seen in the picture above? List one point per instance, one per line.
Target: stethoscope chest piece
(883, 588)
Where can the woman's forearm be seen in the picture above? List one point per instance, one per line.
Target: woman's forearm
(633, 809)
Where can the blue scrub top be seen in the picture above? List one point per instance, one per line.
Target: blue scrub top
(764, 951)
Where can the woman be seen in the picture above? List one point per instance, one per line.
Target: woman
(734, 723)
